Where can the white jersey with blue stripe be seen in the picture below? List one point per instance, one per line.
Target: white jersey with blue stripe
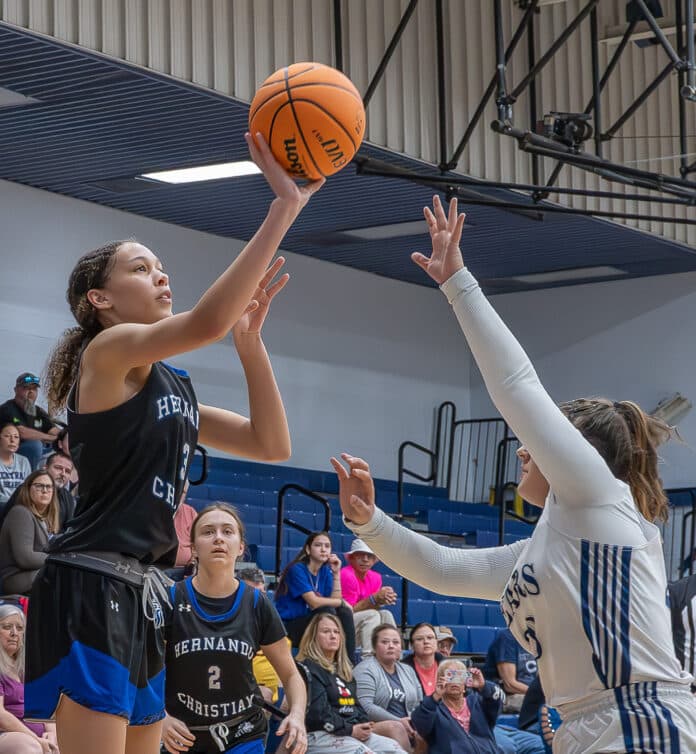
(594, 614)
(587, 593)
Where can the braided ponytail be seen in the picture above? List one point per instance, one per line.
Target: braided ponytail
(91, 271)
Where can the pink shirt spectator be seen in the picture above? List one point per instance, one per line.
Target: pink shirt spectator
(183, 518)
(355, 589)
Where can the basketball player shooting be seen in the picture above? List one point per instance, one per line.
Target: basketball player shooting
(95, 648)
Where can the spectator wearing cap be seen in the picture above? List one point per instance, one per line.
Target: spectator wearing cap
(445, 640)
(35, 426)
(362, 589)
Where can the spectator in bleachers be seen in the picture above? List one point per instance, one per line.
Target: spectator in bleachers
(336, 722)
(387, 688)
(362, 589)
(26, 531)
(62, 445)
(14, 468)
(184, 517)
(59, 467)
(17, 736)
(445, 640)
(425, 658)
(459, 716)
(264, 672)
(512, 666)
(682, 604)
(36, 428)
(311, 584)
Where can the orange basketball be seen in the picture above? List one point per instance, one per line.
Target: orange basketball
(311, 116)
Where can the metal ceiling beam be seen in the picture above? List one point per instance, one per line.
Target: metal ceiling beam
(391, 47)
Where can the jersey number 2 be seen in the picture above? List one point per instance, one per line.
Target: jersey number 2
(214, 677)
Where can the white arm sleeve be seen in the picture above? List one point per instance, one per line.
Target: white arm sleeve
(577, 474)
(478, 574)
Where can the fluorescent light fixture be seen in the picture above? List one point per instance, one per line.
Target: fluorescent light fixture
(392, 230)
(205, 172)
(578, 273)
(8, 98)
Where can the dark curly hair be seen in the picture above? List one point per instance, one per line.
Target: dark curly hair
(91, 271)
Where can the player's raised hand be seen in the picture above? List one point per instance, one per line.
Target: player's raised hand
(283, 186)
(445, 235)
(251, 322)
(356, 490)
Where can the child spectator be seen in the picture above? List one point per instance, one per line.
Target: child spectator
(311, 584)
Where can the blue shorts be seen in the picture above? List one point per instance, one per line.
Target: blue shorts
(88, 638)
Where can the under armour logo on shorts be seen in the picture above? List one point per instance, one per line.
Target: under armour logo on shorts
(114, 605)
(184, 607)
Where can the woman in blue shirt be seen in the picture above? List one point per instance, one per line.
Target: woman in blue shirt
(311, 584)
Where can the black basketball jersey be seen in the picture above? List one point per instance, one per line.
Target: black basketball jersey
(682, 601)
(132, 460)
(209, 674)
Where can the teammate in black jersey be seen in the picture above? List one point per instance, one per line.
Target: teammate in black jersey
(216, 627)
(94, 644)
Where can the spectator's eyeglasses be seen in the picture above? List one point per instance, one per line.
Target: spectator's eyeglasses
(42, 487)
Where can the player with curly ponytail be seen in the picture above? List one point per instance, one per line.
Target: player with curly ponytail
(96, 613)
(91, 271)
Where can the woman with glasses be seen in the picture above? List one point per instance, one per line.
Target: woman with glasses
(14, 468)
(26, 531)
(425, 658)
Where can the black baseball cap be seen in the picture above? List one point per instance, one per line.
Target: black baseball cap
(27, 378)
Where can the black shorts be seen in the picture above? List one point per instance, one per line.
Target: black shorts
(88, 638)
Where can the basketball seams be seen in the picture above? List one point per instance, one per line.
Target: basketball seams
(313, 67)
(299, 127)
(322, 84)
(273, 120)
(323, 102)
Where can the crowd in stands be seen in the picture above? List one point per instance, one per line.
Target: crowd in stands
(365, 692)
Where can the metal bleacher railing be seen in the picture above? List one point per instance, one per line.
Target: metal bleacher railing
(282, 521)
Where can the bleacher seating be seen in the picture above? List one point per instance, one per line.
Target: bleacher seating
(253, 489)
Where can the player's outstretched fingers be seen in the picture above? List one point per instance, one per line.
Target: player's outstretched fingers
(355, 462)
(339, 469)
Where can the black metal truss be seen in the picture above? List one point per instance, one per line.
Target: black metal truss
(680, 190)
